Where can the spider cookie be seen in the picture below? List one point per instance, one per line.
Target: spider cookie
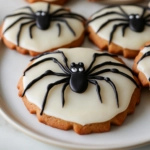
(141, 65)
(121, 29)
(70, 91)
(42, 27)
(59, 2)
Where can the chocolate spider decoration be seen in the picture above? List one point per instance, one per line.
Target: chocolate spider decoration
(43, 19)
(77, 77)
(135, 22)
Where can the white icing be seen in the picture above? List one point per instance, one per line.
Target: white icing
(42, 39)
(84, 108)
(131, 40)
(143, 65)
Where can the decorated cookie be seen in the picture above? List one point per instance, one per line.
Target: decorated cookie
(120, 29)
(70, 91)
(42, 27)
(141, 65)
(59, 2)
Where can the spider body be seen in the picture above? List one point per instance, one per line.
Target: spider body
(136, 23)
(78, 81)
(77, 77)
(42, 20)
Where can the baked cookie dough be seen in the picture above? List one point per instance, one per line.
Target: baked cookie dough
(59, 2)
(141, 65)
(67, 90)
(121, 29)
(42, 27)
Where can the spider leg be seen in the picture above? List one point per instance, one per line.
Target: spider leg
(18, 14)
(20, 29)
(46, 73)
(15, 23)
(63, 91)
(105, 14)
(123, 11)
(71, 15)
(59, 29)
(97, 88)
(111, 83)
(145, 55)
(123, 29)
(30, 9)
(111, 64)
(113, 70)
(63, 55)
(107, 22)
(143, 13)
(30, 29)
(147, 16)
(48, 89)
(64, 21)
(56, 11)
(47, 59)
(94, 59)
(147, 24)
(114, 29)
(48, 7)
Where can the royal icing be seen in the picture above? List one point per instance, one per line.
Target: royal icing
(81, 106)
(124, 25)
(27, 28)
(143, 63)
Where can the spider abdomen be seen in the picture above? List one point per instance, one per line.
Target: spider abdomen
(137, 24)
(78, 82)
(42, 20)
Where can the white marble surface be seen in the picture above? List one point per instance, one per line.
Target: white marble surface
(12, 139)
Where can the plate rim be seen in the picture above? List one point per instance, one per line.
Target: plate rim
(49, 141)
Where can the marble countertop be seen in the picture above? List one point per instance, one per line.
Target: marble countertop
(11, 138)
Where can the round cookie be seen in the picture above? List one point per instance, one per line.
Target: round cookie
(67, 90)
(141, 65)
(42, 27)
(121, 29)
(58, 2)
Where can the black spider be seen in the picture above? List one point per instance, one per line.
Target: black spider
(43, 19)
(135, 22)
(77, 77)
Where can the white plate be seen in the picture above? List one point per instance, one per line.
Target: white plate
(134, 131)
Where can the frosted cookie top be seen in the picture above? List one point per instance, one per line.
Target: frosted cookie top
(67, 85)
(41, 26)
(143, 63)
(124, 25)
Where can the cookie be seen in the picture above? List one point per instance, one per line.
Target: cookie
(59, 2)
(67, 90)
(42, 27)
(141, 65)
(121, 29)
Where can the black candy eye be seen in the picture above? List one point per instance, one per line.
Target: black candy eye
(38, 13)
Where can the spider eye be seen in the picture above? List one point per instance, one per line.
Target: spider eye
(131, 16)
(80, 69)
(137, 16)
(38, 13)
(74, 69)
(43, 13)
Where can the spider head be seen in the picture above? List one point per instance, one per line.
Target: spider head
(136, 23)
(42, 20)
(77, 67)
